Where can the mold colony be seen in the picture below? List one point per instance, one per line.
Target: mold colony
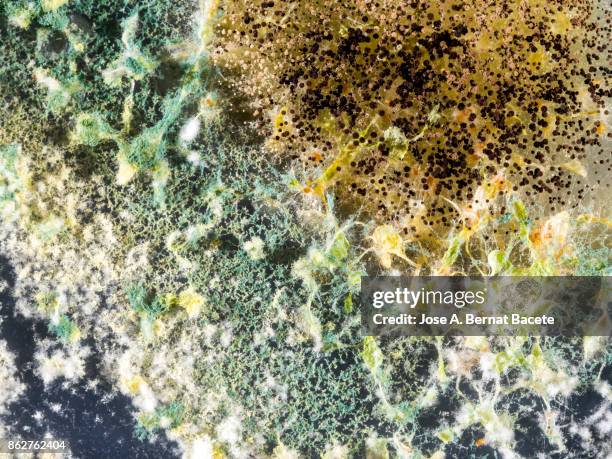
(408, 109)
(141, 216)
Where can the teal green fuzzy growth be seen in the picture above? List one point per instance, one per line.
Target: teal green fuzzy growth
(284, 306)
(8, 171)
(167, 416)
(147, 305)
(65, 329)
(91, 129)
(87, 80)
(67, 31)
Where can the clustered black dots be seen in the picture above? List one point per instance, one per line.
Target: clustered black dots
(416, 101)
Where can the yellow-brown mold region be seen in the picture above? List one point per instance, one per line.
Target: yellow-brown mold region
(402, 106)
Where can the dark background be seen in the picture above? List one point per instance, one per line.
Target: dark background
(96, 423)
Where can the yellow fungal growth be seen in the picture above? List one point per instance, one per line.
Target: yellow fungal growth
(283, 452)
(540, 61)
(576, 167)
(134, 384)
(590, 218)
(22, 17)
(126, 171)
(191, 301)
(281, 128)
(206, 18)
(601, 129)
(386, 244)
(127, 115)
(75, 335)
(52, 5)
(561, 23)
